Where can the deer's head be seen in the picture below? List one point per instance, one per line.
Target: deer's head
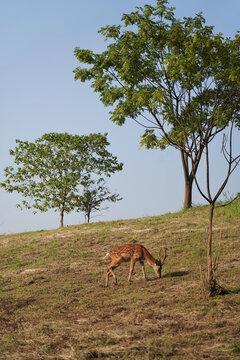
(159, 263)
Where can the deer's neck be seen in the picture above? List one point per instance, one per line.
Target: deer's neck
(148, 257)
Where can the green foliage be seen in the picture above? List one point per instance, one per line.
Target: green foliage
(175, 77)
(51, 170)
(162, 66)
(94, 194)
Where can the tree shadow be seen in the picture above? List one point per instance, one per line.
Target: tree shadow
(177, 273)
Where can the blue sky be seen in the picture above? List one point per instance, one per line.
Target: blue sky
(38, 94)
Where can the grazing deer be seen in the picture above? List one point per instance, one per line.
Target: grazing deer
(133, 253)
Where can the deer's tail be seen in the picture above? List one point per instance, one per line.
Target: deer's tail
(106, 256)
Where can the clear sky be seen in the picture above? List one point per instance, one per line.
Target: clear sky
(38, 95)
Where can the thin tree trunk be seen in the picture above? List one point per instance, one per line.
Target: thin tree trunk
(188, 181)
(88, 216)
(211, 280)
(189, 174)
(61, 218)
(188, 193)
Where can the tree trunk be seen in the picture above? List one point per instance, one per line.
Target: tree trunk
(188, 181)
(211, 279)
(61, 218)
(189, 174)
(88, 217)
(188, 193)
(209, 245)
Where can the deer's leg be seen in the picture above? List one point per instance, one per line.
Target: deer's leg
(107, 277)
(110, 271)
(132, 263)
(143, 270)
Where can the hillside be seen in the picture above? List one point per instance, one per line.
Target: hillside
(53, 303)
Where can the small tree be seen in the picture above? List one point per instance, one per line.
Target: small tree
(95, 193)
(233, 162)
(52, 170)
(175, 78)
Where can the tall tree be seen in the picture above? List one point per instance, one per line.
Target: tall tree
(53, 169)
(175, 78)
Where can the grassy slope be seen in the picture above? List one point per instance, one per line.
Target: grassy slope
(53, 303)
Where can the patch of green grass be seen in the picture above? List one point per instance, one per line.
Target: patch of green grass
(233, 271)
(86, 303)
(156, 341)
(103, 234)
(14, 258)
(84, 255)
(235, 290)
(8, 343)
(155, 353)
(199, 252)
(234, 348)
(18, 264)
(50, 348)
(134, 298)
(3, 294)
(230, 211)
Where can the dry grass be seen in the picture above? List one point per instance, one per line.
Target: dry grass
(53, 303)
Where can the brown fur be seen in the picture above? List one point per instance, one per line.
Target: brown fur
(133, 253)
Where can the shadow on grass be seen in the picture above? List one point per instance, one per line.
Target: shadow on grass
(172, 274)
(177, 273)
(235, 290)
(223, 290)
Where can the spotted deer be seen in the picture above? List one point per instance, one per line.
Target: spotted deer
(133, 253)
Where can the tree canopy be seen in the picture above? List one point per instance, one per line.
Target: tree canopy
(52, 170)
(94, 194)
(175, 77)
